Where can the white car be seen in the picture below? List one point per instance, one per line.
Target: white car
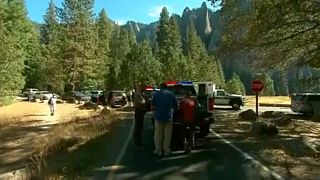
(44, 95)
(30, 90)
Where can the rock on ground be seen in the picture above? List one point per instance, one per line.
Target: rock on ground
(248, 115)
(259, 129)
(272, 114)
(283, 121)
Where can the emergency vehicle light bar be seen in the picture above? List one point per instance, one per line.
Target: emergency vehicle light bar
(171, 83)
(185, 83)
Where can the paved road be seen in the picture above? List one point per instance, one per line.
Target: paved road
(213, 158)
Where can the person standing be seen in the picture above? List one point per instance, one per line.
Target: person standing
(139, 112)
(52, 103)
(187, 109)
(163, 103)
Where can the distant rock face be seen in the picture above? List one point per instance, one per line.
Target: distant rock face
(201, 17)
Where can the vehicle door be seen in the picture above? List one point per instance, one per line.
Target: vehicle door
(221, 98)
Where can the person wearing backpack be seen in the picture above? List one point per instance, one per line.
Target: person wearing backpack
(52, 103)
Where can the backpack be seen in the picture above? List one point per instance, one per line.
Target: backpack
(50, 102)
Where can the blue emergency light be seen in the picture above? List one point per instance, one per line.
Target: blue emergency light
(185, 83)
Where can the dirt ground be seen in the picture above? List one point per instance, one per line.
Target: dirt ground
(293, 153)
(23, 123)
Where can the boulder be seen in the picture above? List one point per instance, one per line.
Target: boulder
(272, 114)
(302, 146)
(248, 115)
(259, 129)
(282, 121)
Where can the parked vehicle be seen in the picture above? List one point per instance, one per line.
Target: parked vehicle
(95, 95)
(116, 98)
(305, 103)
(44, 95)
(222, 98)
(72, 96)
(30, 90)
(226, 99)
(204, 111)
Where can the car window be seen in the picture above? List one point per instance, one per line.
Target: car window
(221, 93)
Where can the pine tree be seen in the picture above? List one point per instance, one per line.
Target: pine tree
(204, 68)
(151, 71)
(17, 48)
(221, 79)
(170, 47)
(235, 85)
(121, 43)
(51, 69)
(104, 29)
(11, 63)
(175, 69)
(80, 45)
(280, 83)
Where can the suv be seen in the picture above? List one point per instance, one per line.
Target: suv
(305, 103)
(115, 98)
(204, 111)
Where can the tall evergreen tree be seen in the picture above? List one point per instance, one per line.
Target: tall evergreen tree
(235, 85)
(19, 51)
(280, 83)
(51, 69)
(221, 79)
(121, 43)
(170, 47)
(11, 61)
(204, 68)
(177, 65)
(140, 66)
(80, 45)
(104, 33)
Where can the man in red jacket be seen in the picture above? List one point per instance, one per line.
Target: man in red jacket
(187, 107)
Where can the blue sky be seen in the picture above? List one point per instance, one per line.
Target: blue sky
(145, 11)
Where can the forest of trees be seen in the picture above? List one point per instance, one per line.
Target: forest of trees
(278, 37)
(76, 50)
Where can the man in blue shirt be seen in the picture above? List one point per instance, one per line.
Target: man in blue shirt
(163, 104)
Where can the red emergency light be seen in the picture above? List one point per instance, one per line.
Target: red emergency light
(171, 83)
(149, 88)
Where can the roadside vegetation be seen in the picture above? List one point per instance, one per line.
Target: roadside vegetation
(66, 138)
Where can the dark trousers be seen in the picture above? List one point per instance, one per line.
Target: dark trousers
(188, 133)
(138, 117)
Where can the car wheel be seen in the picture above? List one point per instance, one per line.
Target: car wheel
(236, 105)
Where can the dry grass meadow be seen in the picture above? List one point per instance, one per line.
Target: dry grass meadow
(251, 100)
(29, 135)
